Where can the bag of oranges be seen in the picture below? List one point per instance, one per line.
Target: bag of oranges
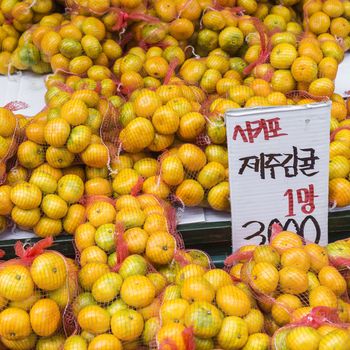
(320, 329)
(289, 277)
(36, 290)
(11, 135)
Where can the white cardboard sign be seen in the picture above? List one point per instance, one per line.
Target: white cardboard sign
(278, 168)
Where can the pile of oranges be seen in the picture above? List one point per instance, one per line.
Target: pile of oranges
(35, 292)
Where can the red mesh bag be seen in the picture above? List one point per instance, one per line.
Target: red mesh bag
(11, 136)
(39, 285)
(287, 277)
(320, 327)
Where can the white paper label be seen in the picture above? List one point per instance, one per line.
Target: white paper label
(278, 165)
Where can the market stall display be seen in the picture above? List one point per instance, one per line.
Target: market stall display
(131, 131)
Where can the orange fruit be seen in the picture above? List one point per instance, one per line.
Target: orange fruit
(304, 69)
(92, 254)
(296, 257)
(322, 87)
(319, 22)
(318, 256)
(328, 68)
(75, 112)
(197, 289)
(95, 155)
(6, 204)
(190, 192)
(70, 188)
(218, 278)
(57, 132)
(338, 338)
(282, 81)
(105, 341)
(40, 312)
(233, 333)
(330, 277)
(299, 278)
(192, 157)
(16, 283)
(14, 324)
(301, 336)
(94, 319)
(75, 216)
(127, 325)
(339, 112)
(26, 196)
(285, 240)
(137, 291)
(173, 311)
(204, 318)
(284, 306)
(255, 321)
(283, 55)
(160, 248)
(333, 8)
(264, 277)
(172, 332)
(90, 273)
(25, 343)
(323, 296)
(224, 299)
(8, 122)
(339, 192)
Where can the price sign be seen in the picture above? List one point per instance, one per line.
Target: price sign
(278, 168)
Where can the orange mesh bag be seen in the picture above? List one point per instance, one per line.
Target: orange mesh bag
(62, 158)
(339, 169)
(119, 291)
(319, 328)
(11, 136)
(289, 276)
(204, 307)
(36, 290)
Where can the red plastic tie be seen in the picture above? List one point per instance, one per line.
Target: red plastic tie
(30, 253)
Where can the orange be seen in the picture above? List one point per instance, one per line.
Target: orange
(331, 278)
(165, 120)
(127, 201)
(192, 157)
(191, 125)
(339, 192)
(40, 312)
(233, 301)
(304, 69)
(137, 291)
(98, 186)
(338, 338)
(136, 239)
(181, 29)
(107, 287)
(57, 132)
(190, 192)
(296, 257)
(204, 318)
(25, 218)
(16, 283)
(300, 313)
(339, 112)
(322, 296)
(328, 68)
(340, 27)
(282, 81)
(46, 227)
(75, 216)
(14, 324)
(127, 325)
(155, 222)
(266, 253)
(26, 304)
(94, 319)
(95, 155)
(285, 304)
(318, 256)
(131, 217)
(70, 188)
(333, 8)
(322, 87)
(26, 195)
(146, 103)
(332, 49)
(218, 278)
(92, 254)
(300, 337)
(90, 273)
(160, 248)
(75, 112)
(293, 280)
(172, 332)
(173, 311)
(319, 22)
(264, 277)
(231, 39)
(190, 270)
(8, 122)
(6, 204)
(53, 342)
(105, 341)
(49, 271)
(285, 240)
(255, 321)
(283, 55)
(54, 206)
(233, 333)
(339, 148)
(311, 50)
(339, 167)
(25, 343)
(197, 289)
